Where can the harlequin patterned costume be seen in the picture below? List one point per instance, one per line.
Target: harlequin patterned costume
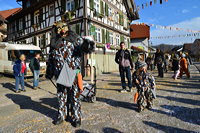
(145, 88)
(67, 49)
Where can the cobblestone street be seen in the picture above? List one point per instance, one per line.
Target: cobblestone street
(176, 109)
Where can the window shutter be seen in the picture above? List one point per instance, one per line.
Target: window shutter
(24, 23)
(102, 8)
(122, 38)
(107, 36)
(41, 15)
(92, 31)
(35, 41)
(63, 6)
(122, 20)
(106, 9)
(43, 40)
(78, 29)
(32, 18)
(103, 36)
(92, 4)
(76, 4)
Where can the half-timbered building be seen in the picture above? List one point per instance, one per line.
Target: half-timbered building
(105, 20)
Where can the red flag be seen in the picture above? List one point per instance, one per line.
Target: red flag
(151, 3)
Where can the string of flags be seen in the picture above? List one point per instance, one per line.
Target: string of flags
(167, 27)
(151, 3)
(176, 36)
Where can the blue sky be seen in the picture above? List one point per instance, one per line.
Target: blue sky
(177, 13)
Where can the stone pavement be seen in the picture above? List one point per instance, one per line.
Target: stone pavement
(176, 109)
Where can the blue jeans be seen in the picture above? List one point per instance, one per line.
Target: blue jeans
(122, 71)
(36, 74)
(19, 80)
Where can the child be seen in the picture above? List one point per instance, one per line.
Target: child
(145, 84)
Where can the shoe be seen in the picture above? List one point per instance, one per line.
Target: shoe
(130, 90)
(34, 88)
(123, 91)
(76, 124)
(23, 90)
(149, 107)
(17, 91)
(58, 121)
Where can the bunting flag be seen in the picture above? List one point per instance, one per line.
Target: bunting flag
(176, 36)
(167, 27)
(150, 3)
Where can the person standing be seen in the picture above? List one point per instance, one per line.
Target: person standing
(35, 68)
(175, 66)
(184, 66)
(19, 70)
(159, 61)
(123, 58)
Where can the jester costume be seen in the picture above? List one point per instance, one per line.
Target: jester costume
(65, 55)
(145, 84)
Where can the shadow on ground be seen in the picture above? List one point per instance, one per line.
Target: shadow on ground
(25, 102)
(116, 103)
(190, 115)
(167, 129)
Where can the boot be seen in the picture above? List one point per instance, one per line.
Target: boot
(58, 121)
(76, 123)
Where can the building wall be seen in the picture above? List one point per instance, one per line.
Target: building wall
(141, 43)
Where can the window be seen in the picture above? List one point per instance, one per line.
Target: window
(20, 24)
(97, 5)
(51, 10)
(70, 5)
(36, 17)
(111, 38)
(117, 39)
(110, 12)
(98, 35)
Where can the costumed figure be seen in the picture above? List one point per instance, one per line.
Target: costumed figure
(64, 63)
(146, 87)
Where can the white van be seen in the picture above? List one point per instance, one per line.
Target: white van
(9, 53)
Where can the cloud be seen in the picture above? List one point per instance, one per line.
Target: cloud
(185, 11)
(193, 24)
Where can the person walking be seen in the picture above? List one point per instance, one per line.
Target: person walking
(175, 66)
(123, 58)
(159, 62)
(35, 68)
(184, 66)
(19, 70)
(146, 87)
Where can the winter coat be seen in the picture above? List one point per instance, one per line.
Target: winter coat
(183, 63)
(175, 64)
(127, 56)
(17, 67)
(34, 64)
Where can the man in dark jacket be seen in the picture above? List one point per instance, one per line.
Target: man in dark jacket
(159, 61)
(35, 68)
(123, 58)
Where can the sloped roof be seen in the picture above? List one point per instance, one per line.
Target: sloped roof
(139, 31)
(187, 46)
(7, 13)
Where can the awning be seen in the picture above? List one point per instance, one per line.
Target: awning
(138, 50)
